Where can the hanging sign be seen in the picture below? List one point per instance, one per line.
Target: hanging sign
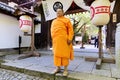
(50, 7)
(114, 17)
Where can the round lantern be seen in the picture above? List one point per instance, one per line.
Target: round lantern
(100, 12)
(25, 23)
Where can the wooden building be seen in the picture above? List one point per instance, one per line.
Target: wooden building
(43, 38)
(9, 28)
(111, 27)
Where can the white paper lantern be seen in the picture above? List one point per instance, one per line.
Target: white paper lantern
(100, 12)
(25, 23)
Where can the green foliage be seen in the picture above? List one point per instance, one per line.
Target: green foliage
(79, 20)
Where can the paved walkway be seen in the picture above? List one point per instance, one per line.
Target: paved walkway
(79, 69)
(88, 48)
(12, 75)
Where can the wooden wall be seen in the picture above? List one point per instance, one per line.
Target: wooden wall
(43, 39)
(111, 28)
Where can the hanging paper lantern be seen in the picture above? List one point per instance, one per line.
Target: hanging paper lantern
(25, 23)
(100, 12)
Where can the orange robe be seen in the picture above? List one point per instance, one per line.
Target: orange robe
(61, 31)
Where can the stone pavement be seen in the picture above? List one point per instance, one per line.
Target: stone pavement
(12, 75)
(88, 49)
(79, 69)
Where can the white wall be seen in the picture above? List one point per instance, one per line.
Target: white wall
(9, 33)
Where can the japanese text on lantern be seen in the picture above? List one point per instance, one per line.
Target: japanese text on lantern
(100, 10)
(25, 22)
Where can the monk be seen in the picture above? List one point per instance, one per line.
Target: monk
(62, 35)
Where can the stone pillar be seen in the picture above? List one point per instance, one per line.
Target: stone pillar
(117, 46)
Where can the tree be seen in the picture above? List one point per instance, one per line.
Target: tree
(79, 20)
(84, 39)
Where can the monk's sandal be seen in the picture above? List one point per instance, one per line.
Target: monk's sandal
(65, 73)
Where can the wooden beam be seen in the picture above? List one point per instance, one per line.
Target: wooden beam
(108, 60)
(104, 60)
(98, 63)
(91, 59)
(75, 11)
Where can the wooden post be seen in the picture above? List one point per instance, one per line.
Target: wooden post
(32, 37)
(100, 43)
(32, 32)
(32, 52)
(99, 60)
(20, 41)
(48, 36)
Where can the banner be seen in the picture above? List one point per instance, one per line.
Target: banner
(112, 6)
(81, 4)
(50, 7)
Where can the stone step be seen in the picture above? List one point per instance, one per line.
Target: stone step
(46, 75)
(50, 76)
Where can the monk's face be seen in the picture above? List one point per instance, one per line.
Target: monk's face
(60, 12)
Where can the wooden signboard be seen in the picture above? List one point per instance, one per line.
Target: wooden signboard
(114, 17)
